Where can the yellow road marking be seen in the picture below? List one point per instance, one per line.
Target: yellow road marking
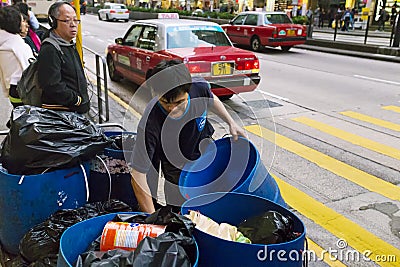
(124, 104)
(366, 180)
(352, 138)
(392, 108)
(372, 120)
(312, 246)
(354, 235)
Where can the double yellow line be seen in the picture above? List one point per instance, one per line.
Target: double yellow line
(356, 236)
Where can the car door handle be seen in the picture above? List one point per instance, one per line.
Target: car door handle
(238, 28)
(148, 58)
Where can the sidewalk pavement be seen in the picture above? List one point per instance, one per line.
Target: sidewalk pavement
(385, 53)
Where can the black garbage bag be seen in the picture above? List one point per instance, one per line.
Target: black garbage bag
(41, 138)
(270, 227)
(43, 240)
(175, 247)
(165, 250)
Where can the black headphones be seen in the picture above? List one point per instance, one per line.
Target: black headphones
(53, 11)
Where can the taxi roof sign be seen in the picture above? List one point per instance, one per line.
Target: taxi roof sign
(168, 15)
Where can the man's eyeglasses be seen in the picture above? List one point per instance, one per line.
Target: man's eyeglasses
(69, 21)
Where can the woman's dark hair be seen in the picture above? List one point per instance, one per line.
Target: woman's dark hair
(169, 79)
(10, 19)
(23, 8)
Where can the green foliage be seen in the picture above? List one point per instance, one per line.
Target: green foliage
(300, 20)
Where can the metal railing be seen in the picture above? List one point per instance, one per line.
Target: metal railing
(368, 33)
(102, 110)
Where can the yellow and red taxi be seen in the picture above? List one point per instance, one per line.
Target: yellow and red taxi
(260, 29)
(202, 46)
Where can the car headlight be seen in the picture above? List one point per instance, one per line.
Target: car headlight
(299, 32)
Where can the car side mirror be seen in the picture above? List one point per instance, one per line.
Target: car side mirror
(231, 22)
(119, 41)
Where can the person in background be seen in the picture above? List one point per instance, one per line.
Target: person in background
(317, 14)
(383, 17)
(322, 16)
(33, 22)
(171, 132)
(393, 13)
(346, 17)
(60, 74)
(31, 38)
(14, 52)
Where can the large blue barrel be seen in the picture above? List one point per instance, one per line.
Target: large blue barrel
(29, 200)
(121, 187)
(76, 239)
(233, 208)
(229, 166)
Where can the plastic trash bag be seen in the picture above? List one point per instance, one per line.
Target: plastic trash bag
(175, 247)
(270, 227)
(41, 138)
(165, 250)
(43, 240)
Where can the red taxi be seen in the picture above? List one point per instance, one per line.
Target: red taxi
(260, 29)
(202, 46)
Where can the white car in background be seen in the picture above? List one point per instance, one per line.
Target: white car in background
(114, 11)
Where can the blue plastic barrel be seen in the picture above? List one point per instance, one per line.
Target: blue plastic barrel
(77, 238)
(229, 166)
(233, 208)
(121, 187)
(27, 201)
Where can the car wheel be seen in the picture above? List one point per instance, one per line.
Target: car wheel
(112, 71)
(286, 48)
(224, 97)
(126, 20)
(255, 44)
(99, 16)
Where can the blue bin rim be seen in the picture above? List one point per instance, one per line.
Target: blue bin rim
(51, 171)
(246, 244)
(61, 252)
(113, 133)
(217, 142)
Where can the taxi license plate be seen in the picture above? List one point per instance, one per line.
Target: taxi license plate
(291, 32)
(222, 68)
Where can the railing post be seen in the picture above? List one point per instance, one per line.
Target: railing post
(310, 27)
(336, 26)
(396, 41)
(367, 29)
(99, 93)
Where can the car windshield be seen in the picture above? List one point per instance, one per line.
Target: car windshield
(195, 36)
(277, 19)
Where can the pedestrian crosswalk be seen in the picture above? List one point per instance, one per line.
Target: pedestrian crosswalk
(379, 249)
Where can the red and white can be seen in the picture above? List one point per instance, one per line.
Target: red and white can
(127, 236)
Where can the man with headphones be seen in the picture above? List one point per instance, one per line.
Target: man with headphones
(60, 72)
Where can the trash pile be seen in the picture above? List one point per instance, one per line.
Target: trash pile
(40, 245)
(270, 227)
(40, 139)
(163, 238)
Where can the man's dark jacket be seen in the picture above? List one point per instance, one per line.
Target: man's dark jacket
(62, 78)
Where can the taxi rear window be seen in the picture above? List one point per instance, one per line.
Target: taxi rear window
(276, 19)
(195, 36)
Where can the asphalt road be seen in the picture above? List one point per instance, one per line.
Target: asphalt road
(327, 126)
(330, 132)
